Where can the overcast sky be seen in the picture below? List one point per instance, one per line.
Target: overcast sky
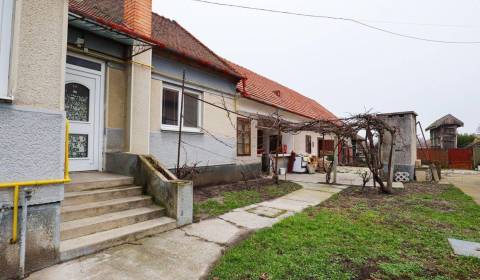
(346, 67)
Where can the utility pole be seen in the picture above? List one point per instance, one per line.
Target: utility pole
(180, 125)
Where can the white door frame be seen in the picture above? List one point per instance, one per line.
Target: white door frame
(100, 115)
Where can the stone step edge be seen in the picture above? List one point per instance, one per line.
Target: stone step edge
(93, 243)
(108, 221)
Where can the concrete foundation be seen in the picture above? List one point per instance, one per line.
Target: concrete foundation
(225, 174)
(122, 163)
(43, 239)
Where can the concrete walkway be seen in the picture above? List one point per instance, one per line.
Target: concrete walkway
(469, 183)
(188, 252)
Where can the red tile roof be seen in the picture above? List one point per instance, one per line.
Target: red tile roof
(264, 90)
(166, 34)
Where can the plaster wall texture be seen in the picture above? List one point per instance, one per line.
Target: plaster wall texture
(38, 62)
(138, 104)
(197, 148)
(43, 239)
(405, 142)
(116, 96)
(34, 142)
(116, 88)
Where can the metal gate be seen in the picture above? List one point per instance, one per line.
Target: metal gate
(460, 158)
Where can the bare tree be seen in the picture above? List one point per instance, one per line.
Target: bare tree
(374, 127)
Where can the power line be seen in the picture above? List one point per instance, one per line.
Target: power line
(352, 20)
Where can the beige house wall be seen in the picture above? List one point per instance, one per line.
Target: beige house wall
(138, 104)
(116, 91)
(37, 72)
(156, 106)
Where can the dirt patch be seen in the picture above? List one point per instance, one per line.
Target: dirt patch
(364, 271)
(215, 192)
(371, 197)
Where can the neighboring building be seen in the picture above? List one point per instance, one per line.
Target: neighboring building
(405, 141)
(443, 132)
(262, 96)
(478, 131)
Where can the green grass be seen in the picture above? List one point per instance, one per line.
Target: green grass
(227, 201)
(353, 236)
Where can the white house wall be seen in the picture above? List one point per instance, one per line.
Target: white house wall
(295, 142)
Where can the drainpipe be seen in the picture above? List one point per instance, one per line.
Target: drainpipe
(26, 195)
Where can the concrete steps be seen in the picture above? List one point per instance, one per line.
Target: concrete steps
(85, 181)
(82, 227)
(76, 212)
(101, 210)
(92, 243)
(82, 197)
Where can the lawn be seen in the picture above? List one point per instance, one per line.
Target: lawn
(357, 235)
(216, 201)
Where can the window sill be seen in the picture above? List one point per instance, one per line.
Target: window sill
(184, 130)
(6, 99)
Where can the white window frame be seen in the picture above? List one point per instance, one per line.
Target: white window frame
(6, 25)
(178, 89)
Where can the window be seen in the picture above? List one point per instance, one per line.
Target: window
(243, 137)
(6, 17)
(308, 144)
(171, 110)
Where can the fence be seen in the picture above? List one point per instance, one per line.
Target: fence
(433, 155)
(451, 158)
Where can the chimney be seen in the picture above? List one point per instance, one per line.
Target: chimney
(138, 15)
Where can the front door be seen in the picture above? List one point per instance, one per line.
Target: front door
(83, 100)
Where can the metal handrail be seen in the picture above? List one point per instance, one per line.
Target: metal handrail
(18, 185)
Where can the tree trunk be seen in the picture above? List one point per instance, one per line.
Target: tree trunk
(389, 188)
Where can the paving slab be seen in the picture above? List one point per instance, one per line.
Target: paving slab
(465, 248)
(310, 196)
(214, 230)
(268, 212)
(248, 220)
(288, 204)
(323, 187)
(168, 256)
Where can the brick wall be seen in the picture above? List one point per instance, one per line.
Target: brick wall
(138, 15)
